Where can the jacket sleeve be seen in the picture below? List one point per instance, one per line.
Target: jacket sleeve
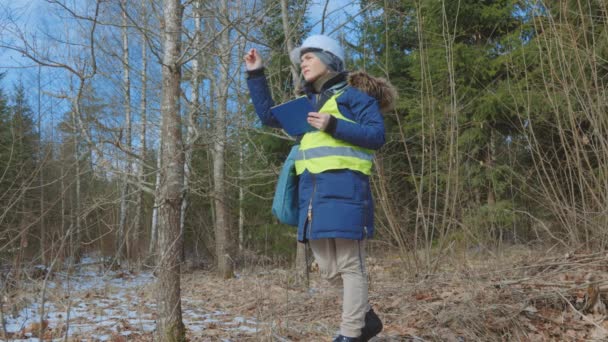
(261, 97)
(368, 129)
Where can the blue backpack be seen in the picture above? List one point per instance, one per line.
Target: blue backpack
(285, 202)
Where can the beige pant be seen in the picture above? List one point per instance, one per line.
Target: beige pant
(345, 258)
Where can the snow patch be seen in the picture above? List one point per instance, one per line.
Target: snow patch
(98, 304)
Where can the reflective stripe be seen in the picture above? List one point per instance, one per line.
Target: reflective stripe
(326, 151)
(320, 152)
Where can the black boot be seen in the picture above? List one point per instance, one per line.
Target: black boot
(373, 326)
(341, 338)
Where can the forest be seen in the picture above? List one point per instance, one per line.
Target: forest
(136, 180)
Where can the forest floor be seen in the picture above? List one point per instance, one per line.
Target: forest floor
(520, 294)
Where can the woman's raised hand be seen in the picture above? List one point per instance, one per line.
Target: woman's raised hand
(253, 60)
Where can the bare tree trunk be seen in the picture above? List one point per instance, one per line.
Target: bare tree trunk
(491, 200)
(301, 262)
(222, 229)
(122, 239)
(63, 205)
(192, 116)
(241, 148)
(210, 101)
(75, 234)
(139, 206)
(295, 76)
(490, 167)
(241, 200)
(241, 192)
(41, 183)
(169, 323)
(152, 247)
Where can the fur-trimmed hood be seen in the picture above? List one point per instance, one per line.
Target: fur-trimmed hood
(377, 87)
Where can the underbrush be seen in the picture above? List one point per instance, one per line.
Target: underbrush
(521, 293)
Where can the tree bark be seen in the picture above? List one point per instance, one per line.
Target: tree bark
(153, 245)
(192, 115)
(222, 229)
(122, 247)
(241, 147)
(63, 204)
(490, 168)
(170, 327)
(41, 183)
(75, 237)
(295, 76)
(139, 206)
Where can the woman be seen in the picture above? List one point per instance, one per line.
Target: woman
(334, 163)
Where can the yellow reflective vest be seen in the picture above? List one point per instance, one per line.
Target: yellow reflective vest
(319, 151)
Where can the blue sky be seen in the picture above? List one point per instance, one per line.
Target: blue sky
(337, 10)
(20, 11)
(41, 18)
(37, 15)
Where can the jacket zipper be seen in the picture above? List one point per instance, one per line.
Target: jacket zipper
(365, 217)
(309, 214)
(365, 214)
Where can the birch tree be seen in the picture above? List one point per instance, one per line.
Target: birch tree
(122, 240)
(141, 170)
(169, 323)
(41, 160)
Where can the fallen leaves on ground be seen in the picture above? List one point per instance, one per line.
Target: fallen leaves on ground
(520, 295)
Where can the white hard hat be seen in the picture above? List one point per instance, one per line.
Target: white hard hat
(318, 41)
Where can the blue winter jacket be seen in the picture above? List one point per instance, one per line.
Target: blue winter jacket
(342, 205)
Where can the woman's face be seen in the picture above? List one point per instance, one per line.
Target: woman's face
(312, 67)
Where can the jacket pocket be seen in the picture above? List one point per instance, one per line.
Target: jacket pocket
(338, 184)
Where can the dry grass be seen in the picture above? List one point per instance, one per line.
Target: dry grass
(521, 294)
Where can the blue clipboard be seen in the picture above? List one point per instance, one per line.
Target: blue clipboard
(292, 116)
